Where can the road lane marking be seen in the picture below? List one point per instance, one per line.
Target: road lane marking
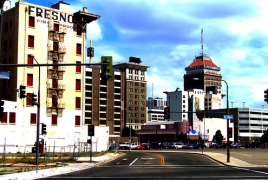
(133, 161)
(250, 170)
(242, 154)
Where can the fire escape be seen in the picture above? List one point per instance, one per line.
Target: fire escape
(56, 52)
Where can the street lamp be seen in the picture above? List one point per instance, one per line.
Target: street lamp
(227, 106)
(38, 117)
(130, 128)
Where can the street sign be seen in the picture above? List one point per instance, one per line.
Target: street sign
(228, 116)
(4, 74)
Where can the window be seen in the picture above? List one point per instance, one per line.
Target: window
(78, 67)
(4, 118)
(10, 24)
(29, 79)
(78, 84)
(78, 49)
(79, 31)
(54, 119)
(31, 41)
(5, 27)
(5, 46)
(55, 83)
(12, 118)
(78, 103)
(28, 101)
(30, 59)
(77, 120)
(31, 21)
(56, 27)
(33, 118)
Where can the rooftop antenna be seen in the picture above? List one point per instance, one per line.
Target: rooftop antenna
(152, 90)
(202, 46)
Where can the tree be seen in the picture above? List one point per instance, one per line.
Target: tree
(264, 137)
(218, 137)
(125, 132)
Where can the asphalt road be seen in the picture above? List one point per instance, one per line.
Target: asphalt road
(177, 164)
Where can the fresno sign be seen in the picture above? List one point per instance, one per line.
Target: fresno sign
(50, 14)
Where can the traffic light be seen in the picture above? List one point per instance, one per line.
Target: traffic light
(230, 132)
(265, 96)
(166, 113)
(107, 69)
(44, 129)
(90, 52)
(22, 91)
(2, 108)
(34, 99)
(91, 130)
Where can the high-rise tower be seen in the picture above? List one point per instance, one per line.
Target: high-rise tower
(202, 73)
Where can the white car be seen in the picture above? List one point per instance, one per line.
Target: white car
(176, 145)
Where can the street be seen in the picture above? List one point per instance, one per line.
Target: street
(176, 164)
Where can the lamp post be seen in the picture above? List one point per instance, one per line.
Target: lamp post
(130, 128)
(227, 106)
(38, 118)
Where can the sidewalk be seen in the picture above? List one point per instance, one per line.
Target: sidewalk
(66, 168)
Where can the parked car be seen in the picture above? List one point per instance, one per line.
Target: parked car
(193, 146)
(156, 145)
(235, 145)
(251, 146)
(124, 145)
(143, 146)
(186, 146)
(213, 145)
(221, 146)
(176, 145)
(201, 146)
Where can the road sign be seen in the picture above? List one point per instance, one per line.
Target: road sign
(4, 74)
(228, 116)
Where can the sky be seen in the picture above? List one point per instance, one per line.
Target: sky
(166, 35)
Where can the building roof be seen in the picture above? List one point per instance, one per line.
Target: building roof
(202, 60)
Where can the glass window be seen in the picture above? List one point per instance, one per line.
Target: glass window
(31, 41)
(31, 21)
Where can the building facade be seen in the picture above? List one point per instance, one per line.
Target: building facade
(52, 37)
(156, 103)
(134, 86)
(103, 100)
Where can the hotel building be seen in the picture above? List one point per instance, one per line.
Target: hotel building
(52, 37)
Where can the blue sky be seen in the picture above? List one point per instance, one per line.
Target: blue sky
(166, 35)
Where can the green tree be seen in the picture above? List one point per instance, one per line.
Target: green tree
(218, 137)
(125, 132)
(264, 137)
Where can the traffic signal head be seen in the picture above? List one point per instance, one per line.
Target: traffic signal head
(34, 99)
(166, 113)
(230, 132)
(107, 69)
(22, 91)
(44, 129)
(265, 96)
(2, 108)
(91, 130)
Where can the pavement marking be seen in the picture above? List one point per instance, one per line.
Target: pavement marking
(133, 161)
(250, 170)
(242, 154)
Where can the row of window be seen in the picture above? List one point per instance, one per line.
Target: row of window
(136, 71)
(11, 119)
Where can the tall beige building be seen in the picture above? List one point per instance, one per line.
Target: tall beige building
(134, 88)
(53, 37)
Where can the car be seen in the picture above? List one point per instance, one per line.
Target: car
(124, 145)
(156, 145)
(235, 145)
(143, 146)
(201, 146)
(176, 145)
(193, 146)
(186, 146)
(251, 146)
(221, 146)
